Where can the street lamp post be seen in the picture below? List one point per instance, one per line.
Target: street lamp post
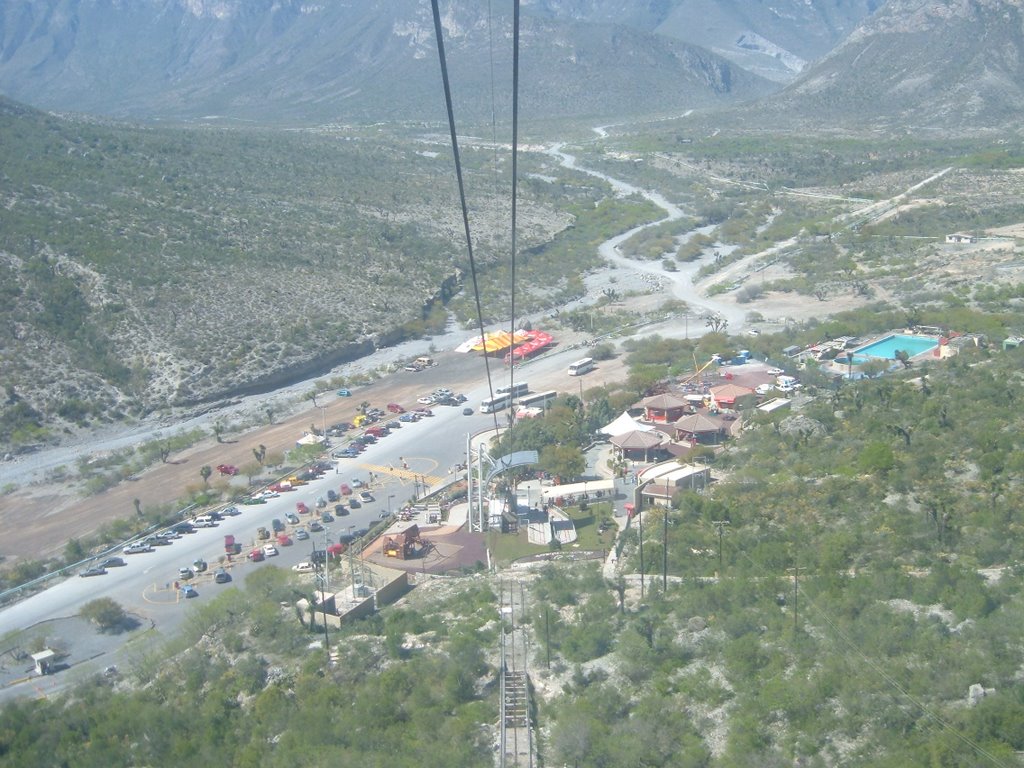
(390, 497)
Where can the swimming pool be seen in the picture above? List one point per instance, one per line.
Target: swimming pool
(888, 346)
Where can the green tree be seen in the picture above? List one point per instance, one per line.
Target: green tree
(105, 613)
(204, 472)
(565, 461)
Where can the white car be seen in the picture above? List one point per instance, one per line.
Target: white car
(366, 497)
(764, 389)
(775, 371)
(269, 550)
(303, 567)
(425, 400)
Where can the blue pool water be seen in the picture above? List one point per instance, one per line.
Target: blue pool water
(888, 346)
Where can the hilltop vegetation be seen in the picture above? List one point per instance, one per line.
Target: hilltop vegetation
(150, 267)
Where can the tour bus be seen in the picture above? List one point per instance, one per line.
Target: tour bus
(496, 403)
(581, 366)
(517, 389)
(539, 400)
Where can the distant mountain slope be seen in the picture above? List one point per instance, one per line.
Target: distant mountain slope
(775, 40)
(146, 267)
(290, 60)
(942, 64)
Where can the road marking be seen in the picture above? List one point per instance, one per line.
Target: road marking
(403, 474)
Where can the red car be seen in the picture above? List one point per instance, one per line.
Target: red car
(256, 555)
(227, 469)
(345, 489)
(301, 508)
(395, 408)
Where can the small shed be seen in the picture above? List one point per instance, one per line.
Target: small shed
(664, 408)
(698, 427)
(44, 661)
(639, 443)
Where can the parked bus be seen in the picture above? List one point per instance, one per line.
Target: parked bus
(496, 403)
(539, 400)
(581, 366)
(517, 389)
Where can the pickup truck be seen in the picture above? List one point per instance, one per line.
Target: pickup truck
(262, 533)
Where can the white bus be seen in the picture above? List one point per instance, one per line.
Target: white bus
(539, 400)
(496, 403)
(517, 389)
(581, 366)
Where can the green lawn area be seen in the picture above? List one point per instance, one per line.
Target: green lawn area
(506, 547)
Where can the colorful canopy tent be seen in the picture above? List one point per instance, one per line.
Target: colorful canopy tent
(523, 343)
(535, 341)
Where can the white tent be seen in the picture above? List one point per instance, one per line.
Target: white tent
(625, 423)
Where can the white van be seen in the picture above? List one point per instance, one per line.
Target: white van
(204, 521)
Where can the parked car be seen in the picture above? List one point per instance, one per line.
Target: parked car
(425, 400)
(395, 408)
(332, 495)
(283, 540)
(227, 469)
(269, 550)
(200, 565)
(365, 496)
(315, 527)
(301, 534)
(346, 489)
(344, 393)
(221, 576)
(256, 555)
(158, 541)
(231, 511)
(354, 503)
(407, 418)
(277, 525)
(327, 517)
(292, 518)
(188, 591)
(137, 548)
(96, 570)
(113, 562)
(183, 528)
(185, 573)
(303, 567)
(252, 500)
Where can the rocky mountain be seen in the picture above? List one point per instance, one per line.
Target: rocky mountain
(775, 40)
(291, 60)
(922, 64)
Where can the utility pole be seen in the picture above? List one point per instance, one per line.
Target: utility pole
(796, 596)
(640, 533)
(720, 525)
(664, 556)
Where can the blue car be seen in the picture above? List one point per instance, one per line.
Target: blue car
(189, 591)
(344, 393)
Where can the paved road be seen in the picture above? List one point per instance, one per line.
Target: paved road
(421, 451)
